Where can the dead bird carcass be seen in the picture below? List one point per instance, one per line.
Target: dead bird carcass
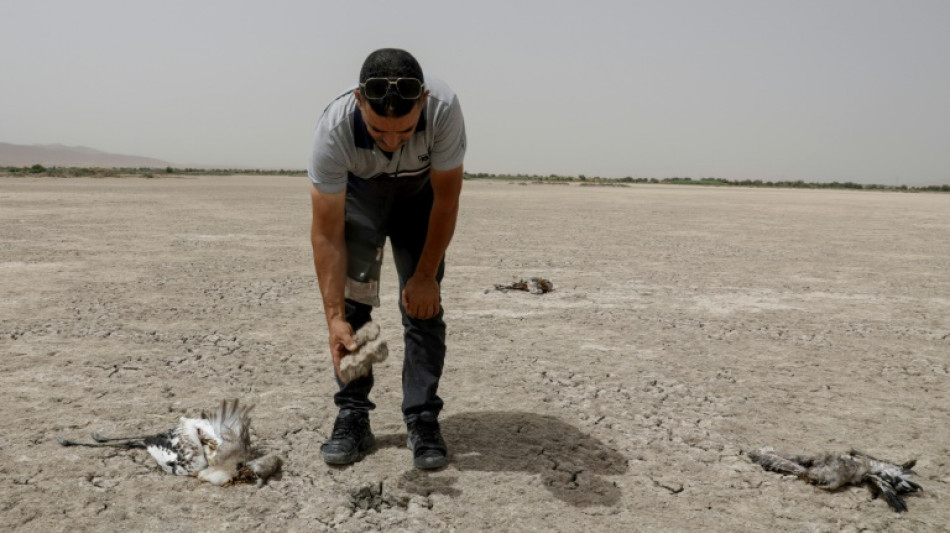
(835, 471)
(533, 285)
(370, 349)
(215, 448)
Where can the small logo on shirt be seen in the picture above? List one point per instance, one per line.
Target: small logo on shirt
(424, 158)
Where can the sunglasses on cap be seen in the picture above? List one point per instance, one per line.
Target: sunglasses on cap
(378, 88)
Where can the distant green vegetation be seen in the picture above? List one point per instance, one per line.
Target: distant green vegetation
(713, 182)
(145, 172)
(70, 172)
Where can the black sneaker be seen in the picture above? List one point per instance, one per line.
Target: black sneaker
(350, 440)
(425, 441)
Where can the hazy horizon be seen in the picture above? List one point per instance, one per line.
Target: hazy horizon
(826, 91)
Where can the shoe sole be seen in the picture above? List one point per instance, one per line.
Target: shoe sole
(430, 463)
(427, 463)
(350, 458)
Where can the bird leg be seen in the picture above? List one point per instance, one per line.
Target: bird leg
(126, 445)
(99, 438)
(772, 460)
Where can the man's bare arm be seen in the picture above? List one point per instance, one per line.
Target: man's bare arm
(421, 295)
(329, 259)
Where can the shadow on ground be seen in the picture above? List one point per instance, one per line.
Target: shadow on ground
(572, 464)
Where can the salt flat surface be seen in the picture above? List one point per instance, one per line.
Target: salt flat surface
(688, 326)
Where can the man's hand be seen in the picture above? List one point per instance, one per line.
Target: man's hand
(420, 298)
(341, 342)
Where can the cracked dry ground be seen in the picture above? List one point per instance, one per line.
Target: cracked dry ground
(688, 325)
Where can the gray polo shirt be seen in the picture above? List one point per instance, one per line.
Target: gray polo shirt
(342, 147)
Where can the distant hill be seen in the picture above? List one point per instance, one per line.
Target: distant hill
(58, 155)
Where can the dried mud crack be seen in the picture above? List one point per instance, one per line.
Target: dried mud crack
(688, 325)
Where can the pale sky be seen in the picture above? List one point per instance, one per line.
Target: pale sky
(823, 90)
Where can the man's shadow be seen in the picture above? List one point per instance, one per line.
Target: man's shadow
(572, 465)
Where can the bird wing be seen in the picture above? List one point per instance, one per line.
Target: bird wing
(230, 425)
(164, 449)
(896, 475)
(195, 440)
(880, 486)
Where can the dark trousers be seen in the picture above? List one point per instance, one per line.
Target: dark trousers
(399, 209)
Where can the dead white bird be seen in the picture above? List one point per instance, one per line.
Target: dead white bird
(370, 349)
(215, 448)
(834, 471)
